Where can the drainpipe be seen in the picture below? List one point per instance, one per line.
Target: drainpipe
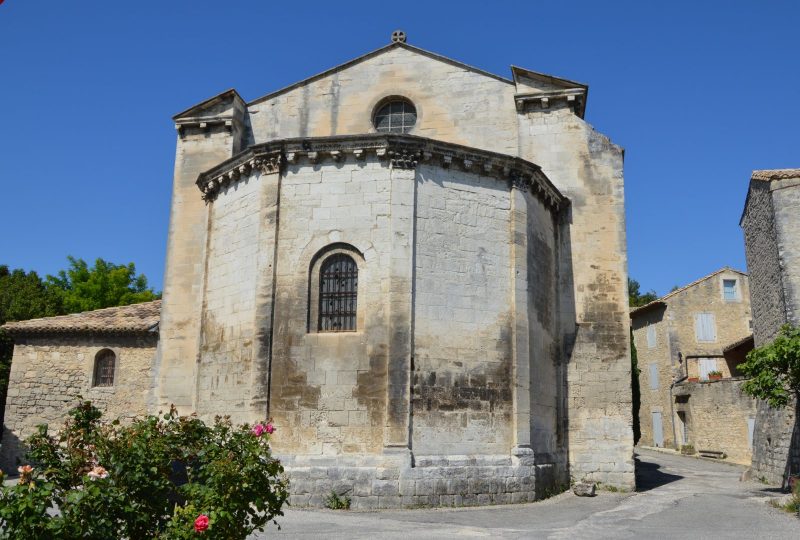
(672, 402)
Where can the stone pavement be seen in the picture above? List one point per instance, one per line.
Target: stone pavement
(679, 497)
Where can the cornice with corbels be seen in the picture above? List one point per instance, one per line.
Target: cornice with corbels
(574, 97)
(203, 123)
(403, 152)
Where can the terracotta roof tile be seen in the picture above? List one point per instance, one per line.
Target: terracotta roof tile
(135, 318)
(768, 175)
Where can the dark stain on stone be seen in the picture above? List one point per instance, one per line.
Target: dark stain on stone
(605, 319)
(541, 279)
(485, 388)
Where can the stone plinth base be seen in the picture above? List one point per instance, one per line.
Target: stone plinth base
(432, 481)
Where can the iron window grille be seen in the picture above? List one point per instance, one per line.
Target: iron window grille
(338, 294)
(397, 116)
(104, 368)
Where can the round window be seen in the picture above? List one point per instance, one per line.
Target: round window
(395, 116)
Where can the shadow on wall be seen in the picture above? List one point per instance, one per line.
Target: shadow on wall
(648, 475)
(10, 450)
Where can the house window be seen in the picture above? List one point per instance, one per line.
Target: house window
(706, 366)
(705, 327)
(729, 291)
(395, 116)
(654, 376)
(104, 363)
(651, 337)
(338, 294)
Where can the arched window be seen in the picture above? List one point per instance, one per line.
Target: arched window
(338, 294)
(395, 116)
(104, 363)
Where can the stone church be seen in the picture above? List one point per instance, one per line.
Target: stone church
(415, 267)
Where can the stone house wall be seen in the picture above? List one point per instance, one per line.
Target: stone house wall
(771, 225)
(677, 348)
(48, 373)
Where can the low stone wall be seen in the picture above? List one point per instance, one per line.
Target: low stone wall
(717, 413)
(433, 481)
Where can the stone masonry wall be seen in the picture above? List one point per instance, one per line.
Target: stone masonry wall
(772, 245)
(228, 343)
(763, 264)
(594, 316)
(453, 104)
(329, 390)
(200, 146)
(48, 373)
(786, 205)
(461, 384)
(717, 415)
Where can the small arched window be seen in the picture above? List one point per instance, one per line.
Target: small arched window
(395, 116)
(104, 363)
(338, 294)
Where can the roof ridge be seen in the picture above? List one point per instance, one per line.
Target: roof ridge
(661, 299)
(370, 54)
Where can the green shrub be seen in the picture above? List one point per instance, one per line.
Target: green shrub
(167, 477)
(334, 502)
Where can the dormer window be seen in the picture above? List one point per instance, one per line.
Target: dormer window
(395, 116)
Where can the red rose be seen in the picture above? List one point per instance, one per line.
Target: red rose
(201, 523)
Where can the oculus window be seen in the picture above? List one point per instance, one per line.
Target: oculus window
(395, 116)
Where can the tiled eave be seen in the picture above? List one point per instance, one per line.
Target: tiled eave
(398, 151)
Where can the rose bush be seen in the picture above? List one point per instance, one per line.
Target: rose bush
(168, 477)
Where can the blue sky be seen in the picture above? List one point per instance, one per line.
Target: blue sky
(698, 93)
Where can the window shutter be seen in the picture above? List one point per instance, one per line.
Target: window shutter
(705, 327)
(653, 376)
(651, 336)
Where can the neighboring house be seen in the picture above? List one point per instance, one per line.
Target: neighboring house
(416, 267)
(106, 356)
(771, 224)
(690, 391)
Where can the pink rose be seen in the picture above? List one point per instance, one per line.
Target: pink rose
(269, 428)
(97, 473)
(258, 430)
(201, 523)
(25, 474)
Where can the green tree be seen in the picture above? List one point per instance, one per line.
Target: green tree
(636, 392)
(23, 295)
(636, 298)
(774, 369)
(103, 285)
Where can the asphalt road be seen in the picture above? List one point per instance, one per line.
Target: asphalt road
(679, 497)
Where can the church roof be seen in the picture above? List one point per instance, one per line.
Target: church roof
(545, 86)
(132, 319)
